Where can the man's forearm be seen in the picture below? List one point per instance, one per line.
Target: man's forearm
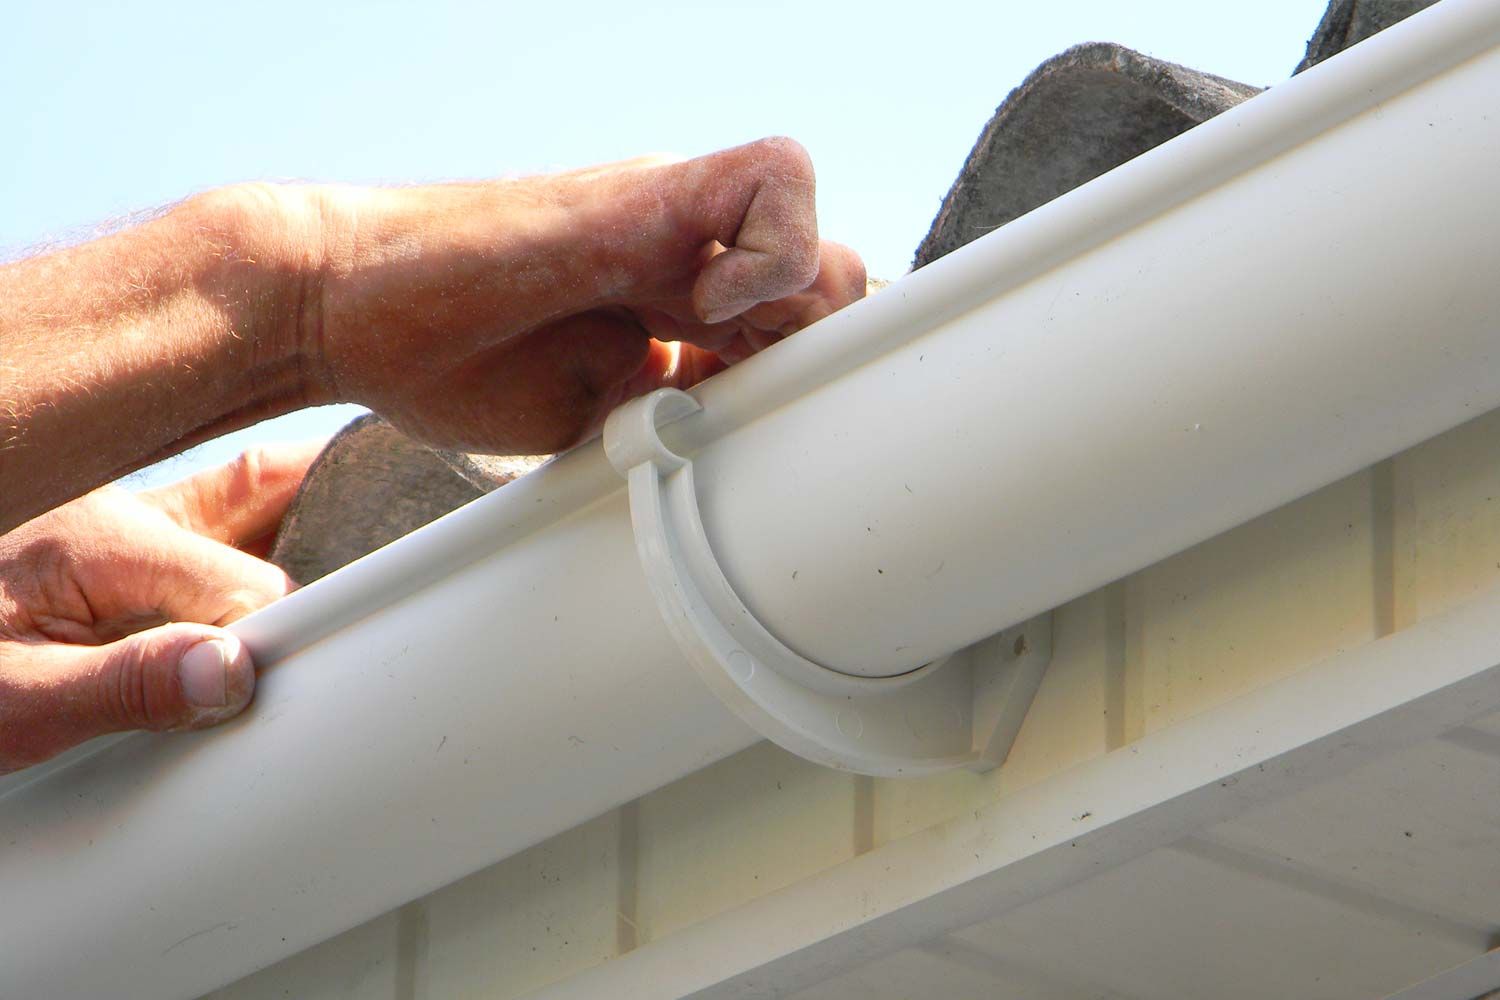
(134, 347)
(505, 316)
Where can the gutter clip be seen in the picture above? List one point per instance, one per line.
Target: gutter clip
(963, 710)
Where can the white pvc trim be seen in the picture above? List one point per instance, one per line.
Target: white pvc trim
(1293, 734)
(1292, 291)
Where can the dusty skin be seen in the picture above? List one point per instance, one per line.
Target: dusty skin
(506, 317)
(85, 591)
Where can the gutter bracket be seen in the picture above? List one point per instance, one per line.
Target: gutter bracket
(963, 710)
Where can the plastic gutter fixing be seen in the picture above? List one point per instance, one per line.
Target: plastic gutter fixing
(960, 710)
(1282, 296)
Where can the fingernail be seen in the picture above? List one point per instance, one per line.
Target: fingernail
(729, 311)
(203, 674)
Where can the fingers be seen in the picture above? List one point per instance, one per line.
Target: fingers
(759, 202)
(54, 696)
(840, 281)
(241, 503)
(196, 579)
(436, 317)
(109, 563)
(676, 366)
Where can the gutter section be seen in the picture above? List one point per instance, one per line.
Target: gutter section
(1288, 293)
(499, 706)
(1294, 290)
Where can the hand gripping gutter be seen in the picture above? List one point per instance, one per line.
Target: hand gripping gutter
(963, 710)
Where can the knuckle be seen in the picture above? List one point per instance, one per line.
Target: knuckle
(796, 265)
(135, 689)
(45, 556)
(237, 482)
(38, 570)
(248, 469)
(120, 688)
(789, 157)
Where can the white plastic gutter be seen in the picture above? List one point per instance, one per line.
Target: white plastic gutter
(1283, 296)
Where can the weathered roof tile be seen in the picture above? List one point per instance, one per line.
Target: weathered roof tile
(1349, 21)
(371, 485)
(1075, 117)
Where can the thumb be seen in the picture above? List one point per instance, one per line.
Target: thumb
(180, 676)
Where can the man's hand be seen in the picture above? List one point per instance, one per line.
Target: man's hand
(79, 585)
(511, 317)
(503, 317)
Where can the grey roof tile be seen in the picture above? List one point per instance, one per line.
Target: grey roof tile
(1075, 117)
(371, 485)
(1349, 21)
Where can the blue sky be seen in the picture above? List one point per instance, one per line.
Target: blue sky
(112, 108)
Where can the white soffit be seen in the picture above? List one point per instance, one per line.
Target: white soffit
(1335, 834)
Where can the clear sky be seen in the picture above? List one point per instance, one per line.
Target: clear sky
(110, 108)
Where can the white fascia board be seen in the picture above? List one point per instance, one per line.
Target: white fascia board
(1280, 297)
(1296, 733)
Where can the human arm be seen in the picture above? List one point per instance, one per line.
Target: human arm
(505, 316)
(112, 606)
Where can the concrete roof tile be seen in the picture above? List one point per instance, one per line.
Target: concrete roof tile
(1078, 115)
(1075, 117)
